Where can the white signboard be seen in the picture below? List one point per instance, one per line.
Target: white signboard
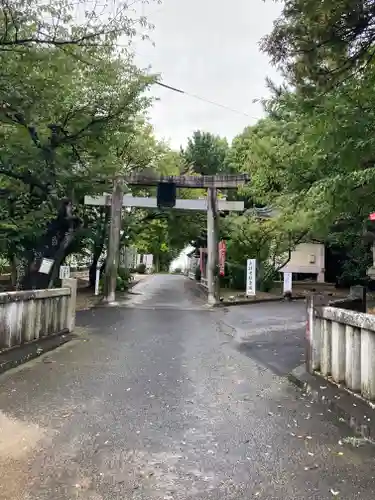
(64, 272)
(251, 277)
(288, 282)
(148, 259)
(46, 266)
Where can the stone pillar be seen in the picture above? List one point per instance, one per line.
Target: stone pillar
(72, 299)
(326, 348)
(353, 358)
(314, 331)
(368, 364)
(338, 351)
(112, 260)
(320, 278)
(212, 246)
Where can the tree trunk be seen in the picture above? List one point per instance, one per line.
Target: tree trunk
(157, 263)
(53, 245)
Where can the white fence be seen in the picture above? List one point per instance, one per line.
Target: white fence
(29, 315)
(341, 345)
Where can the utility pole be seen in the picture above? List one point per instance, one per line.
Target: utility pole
(112, 262)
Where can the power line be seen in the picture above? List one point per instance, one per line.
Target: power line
(203, 99)
(195, 96)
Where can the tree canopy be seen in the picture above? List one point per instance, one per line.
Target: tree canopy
(205, 153)
(320, 43)
(73, 114)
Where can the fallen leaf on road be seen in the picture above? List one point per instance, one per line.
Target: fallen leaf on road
(311, 467)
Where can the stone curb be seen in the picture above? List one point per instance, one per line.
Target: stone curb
(348, 408)
(227, 303)
(256, 301)
(11, 358)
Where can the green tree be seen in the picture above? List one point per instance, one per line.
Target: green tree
(206, 153)
(65, 147)
(320, 43)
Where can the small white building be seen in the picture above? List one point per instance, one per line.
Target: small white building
(307, 258)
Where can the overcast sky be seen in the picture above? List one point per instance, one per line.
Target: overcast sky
(209, 48)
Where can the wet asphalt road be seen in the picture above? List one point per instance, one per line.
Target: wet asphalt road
(164, 399)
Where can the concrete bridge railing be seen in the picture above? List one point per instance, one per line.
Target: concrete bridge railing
(341, 346)
(26, 316)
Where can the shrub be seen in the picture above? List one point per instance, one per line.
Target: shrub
(123, 280)
(141, 268)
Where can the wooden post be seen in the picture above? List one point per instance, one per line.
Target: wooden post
(114, 242)
(212, 246)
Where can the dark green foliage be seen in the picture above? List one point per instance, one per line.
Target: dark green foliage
(141, 268)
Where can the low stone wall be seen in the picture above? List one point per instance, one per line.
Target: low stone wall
(341, 346)
(29, 315)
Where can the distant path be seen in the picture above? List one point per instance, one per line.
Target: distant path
(163, 399)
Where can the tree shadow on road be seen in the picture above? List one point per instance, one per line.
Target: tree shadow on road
(280, 351)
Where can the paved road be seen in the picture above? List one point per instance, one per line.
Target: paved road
(164, 399)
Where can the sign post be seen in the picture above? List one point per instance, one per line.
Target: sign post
(64, 272)
(287, 283)
(251, 278)
(97, 277)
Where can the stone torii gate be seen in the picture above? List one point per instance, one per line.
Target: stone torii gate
(211, 204)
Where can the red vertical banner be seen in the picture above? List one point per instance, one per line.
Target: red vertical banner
(222, 255)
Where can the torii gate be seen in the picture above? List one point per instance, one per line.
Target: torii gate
(211, 204)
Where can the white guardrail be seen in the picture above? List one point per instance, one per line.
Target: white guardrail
(26, 316)
(341, 345)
